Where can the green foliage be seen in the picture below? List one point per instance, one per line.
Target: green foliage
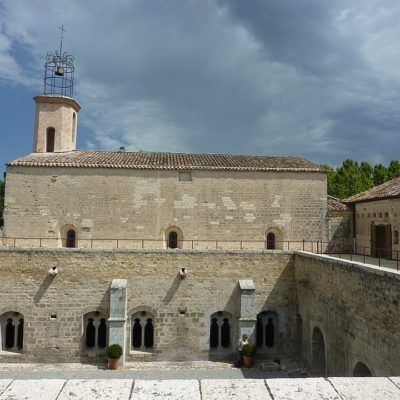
(114, 351)
(352, 177)
(249, 350)
(1, 202)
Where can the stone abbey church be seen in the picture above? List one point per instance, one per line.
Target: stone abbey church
(175, 255)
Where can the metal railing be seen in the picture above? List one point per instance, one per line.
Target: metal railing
(345, 249)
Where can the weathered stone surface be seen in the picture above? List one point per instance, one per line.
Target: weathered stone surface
(35, 389)
(115, 389)
(241, 389)
(3, 384)
(351, 304)
(168, 389)
(366, 388)
(302, 389)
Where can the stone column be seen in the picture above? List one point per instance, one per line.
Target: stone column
(248, 317)
(117, 320)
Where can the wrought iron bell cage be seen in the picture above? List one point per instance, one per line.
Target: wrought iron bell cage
(59, 73)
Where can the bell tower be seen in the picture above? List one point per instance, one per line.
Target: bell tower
(56, 118)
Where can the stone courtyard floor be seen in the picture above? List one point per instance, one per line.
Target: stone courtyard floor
(181, 381)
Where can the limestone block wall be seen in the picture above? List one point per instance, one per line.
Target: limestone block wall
(143, 204)
(340, 231)
(355, 307)
(53, 308)
(382, 212)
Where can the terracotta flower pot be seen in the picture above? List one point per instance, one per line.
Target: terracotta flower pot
(248, 361)
(113, 363)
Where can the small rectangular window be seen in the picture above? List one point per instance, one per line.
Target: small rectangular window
(185, 176)
(395, 237)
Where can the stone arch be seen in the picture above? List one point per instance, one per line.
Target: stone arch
(94, 332)
(66, 239)
(221, 332)
(318, 353)
(174, 238)
(267, 328)
(274, 239)
(12, 325)
(142, 330)
(361, 370)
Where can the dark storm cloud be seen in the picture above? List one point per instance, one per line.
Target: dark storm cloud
(314, 78)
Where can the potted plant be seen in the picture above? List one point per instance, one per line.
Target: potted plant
(249, 351)
(114, 352)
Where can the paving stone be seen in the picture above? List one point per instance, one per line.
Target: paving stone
(395, 380)
(299, 389)
(168, 389)
(226, 389)
(366, 388)
(33, 389)
(3, 384)
(116, 389)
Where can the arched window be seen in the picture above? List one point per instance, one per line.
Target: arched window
(271, 241)
(50, 139)
(361, 370)
(73, 127)
(173, 240)
(95, 332)
(267, 330)
(71, 238)
(318, 365)
(220, 331)
(142, 331)
(12, 332)
(274, 239)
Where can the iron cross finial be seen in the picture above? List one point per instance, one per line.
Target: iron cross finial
(62, 29)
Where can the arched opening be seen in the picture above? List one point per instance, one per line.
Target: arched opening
(102, 334)
(90, 334)
(361, 370)
(71, 238)
(149, 334)
(12, 332)
(267, 331)
(220, 331)
(274, 239)
(271, 241)
(95, 332)
(173, 240)
(50, 139)
(142, 331)
(318, 364)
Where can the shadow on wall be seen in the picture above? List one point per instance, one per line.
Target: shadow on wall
(43, 289)
(281, 307)
(173, 289)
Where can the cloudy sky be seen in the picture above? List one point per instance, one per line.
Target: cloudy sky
(314, 78)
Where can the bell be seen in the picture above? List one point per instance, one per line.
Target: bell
(59, 71)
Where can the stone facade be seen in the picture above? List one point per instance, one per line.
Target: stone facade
(374, 213)
(124, 204)
(53, 307)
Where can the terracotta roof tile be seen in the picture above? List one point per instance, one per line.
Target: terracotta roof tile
(153, 160)
(334, 204)
(387, 190)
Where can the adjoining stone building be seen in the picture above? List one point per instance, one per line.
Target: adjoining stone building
(377, 220)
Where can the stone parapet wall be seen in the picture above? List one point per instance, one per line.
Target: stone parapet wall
(356, 307)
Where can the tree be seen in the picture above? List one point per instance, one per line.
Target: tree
(379, 174)
(393, 169)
